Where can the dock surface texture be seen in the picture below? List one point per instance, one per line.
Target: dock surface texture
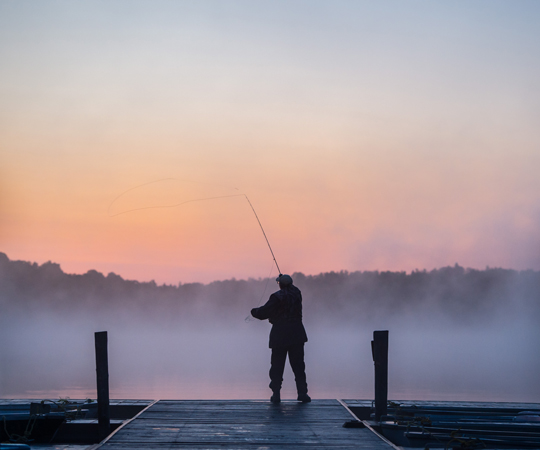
(243, 424)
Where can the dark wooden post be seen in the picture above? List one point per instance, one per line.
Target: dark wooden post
(379, 348)
(102, 374)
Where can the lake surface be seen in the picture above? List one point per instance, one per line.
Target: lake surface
(211, 361)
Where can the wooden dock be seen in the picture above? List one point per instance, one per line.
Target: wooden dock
(243, 425)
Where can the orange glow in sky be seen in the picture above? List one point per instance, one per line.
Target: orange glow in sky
(367, 137)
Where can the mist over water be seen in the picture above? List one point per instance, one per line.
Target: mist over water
(208, 350)
(52, 357)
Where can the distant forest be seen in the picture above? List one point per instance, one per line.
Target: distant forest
(453, 292)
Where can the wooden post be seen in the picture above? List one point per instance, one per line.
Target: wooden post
(102, 375)
(379, 348)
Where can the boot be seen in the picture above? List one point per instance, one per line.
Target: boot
(304, 398)
(276, 397)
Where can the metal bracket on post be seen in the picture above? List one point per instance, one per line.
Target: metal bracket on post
(102, 375)
(379, 349)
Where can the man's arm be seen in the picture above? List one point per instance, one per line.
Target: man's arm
(265, 312)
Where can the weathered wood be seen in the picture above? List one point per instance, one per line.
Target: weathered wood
(102, 376)
(234, 424)
(380, 358)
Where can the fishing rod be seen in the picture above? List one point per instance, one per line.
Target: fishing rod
(264, 234)
(111, 214)
(248, 317)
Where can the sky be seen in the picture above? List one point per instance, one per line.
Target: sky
(368, 135)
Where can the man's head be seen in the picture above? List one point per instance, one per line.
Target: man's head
(284, 281)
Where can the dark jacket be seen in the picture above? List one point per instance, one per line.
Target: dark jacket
(284, 311)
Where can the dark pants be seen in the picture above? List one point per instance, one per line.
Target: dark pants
(296, 359)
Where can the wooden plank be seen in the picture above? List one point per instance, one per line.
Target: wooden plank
(369, 427)
(126, 423)
(243, 425)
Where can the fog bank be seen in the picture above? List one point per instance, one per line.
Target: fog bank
(455, 334)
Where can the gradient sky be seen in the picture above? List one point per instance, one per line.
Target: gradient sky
(369, 135)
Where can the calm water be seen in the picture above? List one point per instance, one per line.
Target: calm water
(209, 361)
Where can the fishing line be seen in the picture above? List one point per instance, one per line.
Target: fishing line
(175, 205)
(165, 206)
(189, 201)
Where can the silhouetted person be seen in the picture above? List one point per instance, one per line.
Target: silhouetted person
(284, 311)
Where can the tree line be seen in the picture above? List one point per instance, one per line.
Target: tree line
(453, 291)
